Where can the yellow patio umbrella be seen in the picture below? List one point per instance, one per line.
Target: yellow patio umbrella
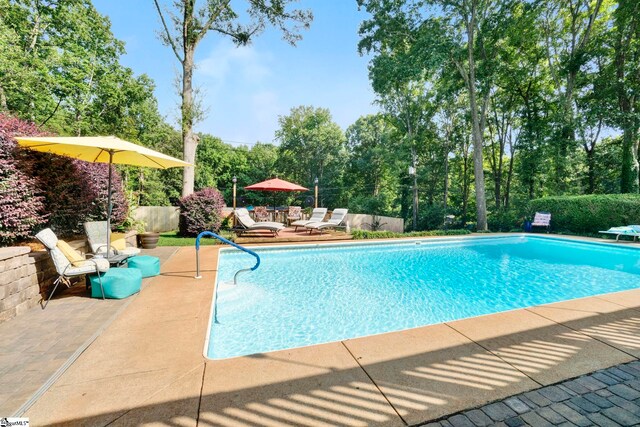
(102, 149)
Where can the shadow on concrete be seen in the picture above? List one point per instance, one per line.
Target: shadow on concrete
(399, 391)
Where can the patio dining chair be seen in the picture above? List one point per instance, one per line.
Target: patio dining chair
(261, 213)
(68, 262)
(294, 214)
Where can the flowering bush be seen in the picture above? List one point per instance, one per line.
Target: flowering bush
(96, 176)
(21, 203)
(38, 189)
(201, 211)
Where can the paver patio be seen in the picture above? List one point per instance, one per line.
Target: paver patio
(148, 367)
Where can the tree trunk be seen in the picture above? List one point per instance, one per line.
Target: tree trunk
(465, 192)
(446, 181)
(3, 100)
(478, 166)
(415, 188)
(507, 189)
(188, 137)
(591, 169)
(465, 182)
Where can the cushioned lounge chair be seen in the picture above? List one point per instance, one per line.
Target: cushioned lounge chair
(629, 230)
(68, 262)
(316, 216)
(338, 217)
(97, 236)
(247, 224)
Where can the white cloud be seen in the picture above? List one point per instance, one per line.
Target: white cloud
(238, 89)
(228, 62)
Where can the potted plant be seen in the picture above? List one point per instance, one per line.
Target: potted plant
(147, 239)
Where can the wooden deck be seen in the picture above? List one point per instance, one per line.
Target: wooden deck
(289, 236)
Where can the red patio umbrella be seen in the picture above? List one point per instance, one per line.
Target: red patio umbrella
(276, 184)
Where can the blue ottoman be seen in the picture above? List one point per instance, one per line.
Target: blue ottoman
(148, 265)
(117, 283)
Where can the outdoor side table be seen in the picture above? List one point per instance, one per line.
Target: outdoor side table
(148, 265)
(118, 260)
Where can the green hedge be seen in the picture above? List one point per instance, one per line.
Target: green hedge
(365, 234)
(591, 213)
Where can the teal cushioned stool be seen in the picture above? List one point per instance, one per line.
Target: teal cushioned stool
(148, 265)
(117, 283)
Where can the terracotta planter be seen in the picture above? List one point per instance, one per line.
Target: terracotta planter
(148, 240)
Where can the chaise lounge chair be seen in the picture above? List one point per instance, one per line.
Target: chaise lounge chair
(68, 262)
(248, 224)
(338, 217)
(629, 230)
(97, 236)
(316, 216)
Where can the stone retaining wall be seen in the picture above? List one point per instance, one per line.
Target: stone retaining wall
(19, 289)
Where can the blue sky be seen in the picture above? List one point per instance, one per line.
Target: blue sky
(245, 89)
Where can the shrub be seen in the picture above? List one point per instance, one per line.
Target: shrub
(430, 217)
(505, 220)
(76, 192)
(590, 213)
(21, 203)
(366, 234)
(95, 176)
(201, 211)
(39, 188)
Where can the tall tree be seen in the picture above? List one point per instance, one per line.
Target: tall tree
(569, 26)
(421, 37)
(371, 175)
(626, 84)
(312, 145)
(187, 26)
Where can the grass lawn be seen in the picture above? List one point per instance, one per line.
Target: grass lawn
(171, 238)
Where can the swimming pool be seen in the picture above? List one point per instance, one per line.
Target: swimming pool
(321, 293)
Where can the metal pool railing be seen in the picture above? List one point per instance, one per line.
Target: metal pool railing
(229, 242)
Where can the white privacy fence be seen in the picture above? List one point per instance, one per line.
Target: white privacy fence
(158, 218)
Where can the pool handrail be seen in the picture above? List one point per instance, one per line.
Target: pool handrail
(229, 242)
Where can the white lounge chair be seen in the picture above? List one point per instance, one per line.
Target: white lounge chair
(97, 236)
(629, 230)
(248, 224)
(316, 216)
(68, 262)
(338, 217)
(542, 219)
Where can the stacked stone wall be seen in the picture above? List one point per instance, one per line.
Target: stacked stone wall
(19, 288)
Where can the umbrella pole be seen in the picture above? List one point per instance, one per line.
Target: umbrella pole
(109, 206)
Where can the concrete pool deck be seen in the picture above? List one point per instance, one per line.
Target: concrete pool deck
(148, 366)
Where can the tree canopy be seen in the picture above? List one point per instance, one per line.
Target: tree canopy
(483, 105)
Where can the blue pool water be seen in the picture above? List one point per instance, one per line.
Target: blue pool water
(310, 295)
